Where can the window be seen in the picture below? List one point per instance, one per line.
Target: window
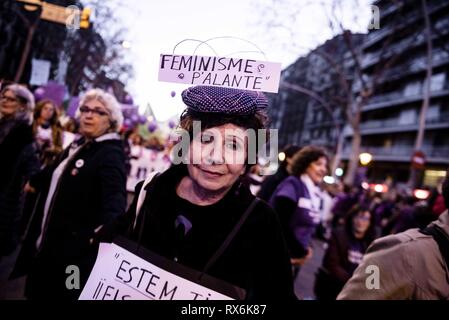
(437, 82)
(433, 113)
(407, 117)
(412, 89)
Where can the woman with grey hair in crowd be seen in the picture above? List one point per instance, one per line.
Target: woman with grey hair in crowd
(18, 160)
(80, 193)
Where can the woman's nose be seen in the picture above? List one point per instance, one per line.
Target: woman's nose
(215, 154)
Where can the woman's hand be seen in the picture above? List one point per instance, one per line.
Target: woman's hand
(301, 261)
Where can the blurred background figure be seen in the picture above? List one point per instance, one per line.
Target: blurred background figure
(411, 265)
(18, 160)
(436, 200)
(297, 201)
(271, 182)
(48, 131)
(346, 248)
(145, 157)
(252, 179)
(344, 201)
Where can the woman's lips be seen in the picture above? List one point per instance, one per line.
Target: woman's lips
(209, 172)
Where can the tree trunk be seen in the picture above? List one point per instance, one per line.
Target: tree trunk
(338, 150)
(413, 181)
(353, 163)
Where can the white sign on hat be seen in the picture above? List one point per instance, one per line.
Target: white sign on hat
(245, 74)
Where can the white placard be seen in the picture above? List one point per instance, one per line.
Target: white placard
(40, 72)
(236, 73)
(121, 275)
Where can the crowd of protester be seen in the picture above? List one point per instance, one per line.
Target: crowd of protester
(64, 187)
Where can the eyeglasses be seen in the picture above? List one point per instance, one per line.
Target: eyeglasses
(97, 111)
(9, 99)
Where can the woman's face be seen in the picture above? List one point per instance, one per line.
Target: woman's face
(9, 104)
(94, 119)
(317, 170)
(361, 222)
(217, 157)
(47, 112)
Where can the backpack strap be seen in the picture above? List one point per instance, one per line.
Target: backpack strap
(230, 237)
(441, 239)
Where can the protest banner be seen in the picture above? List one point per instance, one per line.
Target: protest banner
(119, 274)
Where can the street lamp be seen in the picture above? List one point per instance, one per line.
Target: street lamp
(281, 156)
(365, 158)
(126, 44)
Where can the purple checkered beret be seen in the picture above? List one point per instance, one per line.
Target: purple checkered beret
(223, 100)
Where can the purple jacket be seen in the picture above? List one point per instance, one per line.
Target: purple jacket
(304, 219)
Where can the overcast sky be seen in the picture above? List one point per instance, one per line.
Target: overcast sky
(155, 27)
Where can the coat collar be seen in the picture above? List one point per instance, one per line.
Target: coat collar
(443, 222)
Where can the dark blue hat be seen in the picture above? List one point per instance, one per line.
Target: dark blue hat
(223, 100)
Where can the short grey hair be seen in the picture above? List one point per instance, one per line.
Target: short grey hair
(27, 99)
(109, 102)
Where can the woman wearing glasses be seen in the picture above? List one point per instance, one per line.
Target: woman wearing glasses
(80, 193)
(18, 160)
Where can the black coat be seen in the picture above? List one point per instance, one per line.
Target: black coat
(87, 197)
(18, 161)
(270, 184)
(256, 260)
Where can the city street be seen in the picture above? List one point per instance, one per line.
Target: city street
(196, 147)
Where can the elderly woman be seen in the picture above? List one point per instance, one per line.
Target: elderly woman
(81, 192)
(17, 160)
(297, 201)
(191, 209)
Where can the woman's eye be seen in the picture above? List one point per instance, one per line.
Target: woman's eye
(233, 145)
(207, 138)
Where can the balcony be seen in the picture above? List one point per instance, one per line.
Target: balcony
(376, 36)
(393, 125)
(412, 41)
(416, 66)
(404, 153)
(397, 98)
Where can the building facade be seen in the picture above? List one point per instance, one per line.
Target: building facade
(302, 119)
(390, 120)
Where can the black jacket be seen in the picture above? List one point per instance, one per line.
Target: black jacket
(270, 184)
(88, 196)
(256, 260)
(18, 161)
